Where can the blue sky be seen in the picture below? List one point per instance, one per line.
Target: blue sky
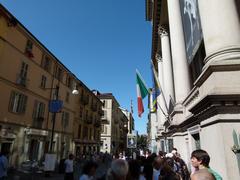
(101, 41)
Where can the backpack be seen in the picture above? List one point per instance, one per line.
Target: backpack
(215, 174)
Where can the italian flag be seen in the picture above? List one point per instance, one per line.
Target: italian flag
(142, 92)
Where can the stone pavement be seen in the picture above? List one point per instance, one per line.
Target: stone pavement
(16, 175)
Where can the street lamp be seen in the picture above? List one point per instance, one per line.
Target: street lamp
(55, 106)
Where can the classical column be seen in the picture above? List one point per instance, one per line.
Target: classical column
(221, 29)
(161, 102)
(179, 58)
(166, 65)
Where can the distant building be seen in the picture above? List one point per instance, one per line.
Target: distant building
(114, 125)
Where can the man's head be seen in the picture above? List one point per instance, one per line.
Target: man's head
(200, 157)
(157, 163)
(119, 168)
(71, 156)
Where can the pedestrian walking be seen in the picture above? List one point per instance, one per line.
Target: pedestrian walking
(200, 161)
(89, 171)
(118, 170)
(3, 166)
(69, 168)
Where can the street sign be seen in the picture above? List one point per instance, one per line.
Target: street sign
(131, 141)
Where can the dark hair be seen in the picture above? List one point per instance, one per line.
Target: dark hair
(134, 169)
(202, 156)
(88, 166)
(167, 170)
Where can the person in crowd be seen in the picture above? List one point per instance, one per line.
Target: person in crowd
(134, 170)
(89, 170)
(157, 163)
(121, 156)
(148, 169)
(68, 163)
(200, 161)
(3, 166)
(180, 165)
(118, 170)
(167, 170)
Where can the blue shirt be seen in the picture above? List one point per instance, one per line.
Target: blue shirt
(3, 166)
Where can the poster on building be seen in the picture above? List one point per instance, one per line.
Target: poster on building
(131, 141)
(191, 26)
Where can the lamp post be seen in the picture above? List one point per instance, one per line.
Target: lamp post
(53, 120)
(56, 110)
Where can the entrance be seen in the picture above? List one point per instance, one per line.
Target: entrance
(33, 149)
(6, 147)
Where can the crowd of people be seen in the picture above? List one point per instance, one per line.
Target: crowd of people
(151, 166)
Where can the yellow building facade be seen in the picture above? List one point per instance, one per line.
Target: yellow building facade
(31, 76)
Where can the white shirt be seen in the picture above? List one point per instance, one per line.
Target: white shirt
(68, 166)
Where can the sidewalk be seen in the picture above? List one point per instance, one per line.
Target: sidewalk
(17, 175)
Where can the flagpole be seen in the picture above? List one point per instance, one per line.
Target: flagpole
(156, 77)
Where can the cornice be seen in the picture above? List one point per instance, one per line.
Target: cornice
(209, 106)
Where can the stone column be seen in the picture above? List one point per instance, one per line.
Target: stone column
(161, 102)
(167, 65)
(179, 58)
(221, 29)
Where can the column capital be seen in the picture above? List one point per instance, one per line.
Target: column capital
(158, 57)
(162, 31)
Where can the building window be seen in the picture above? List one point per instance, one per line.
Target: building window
(105, 103)
(102, 128)
(38, 114)
(65, 119)
(197, 63)
(80, 112)
(69, 82)
(67, 97)
(79, 131)
(104, 116)
(46, 63)
(59, 73)
(90, 133)
(22, 77)
(86, 114)
(85, 133)
(43, 81)
(28, 49)
(18, 102)
(29, 46)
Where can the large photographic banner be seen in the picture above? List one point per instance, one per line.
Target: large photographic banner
(191, 27)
